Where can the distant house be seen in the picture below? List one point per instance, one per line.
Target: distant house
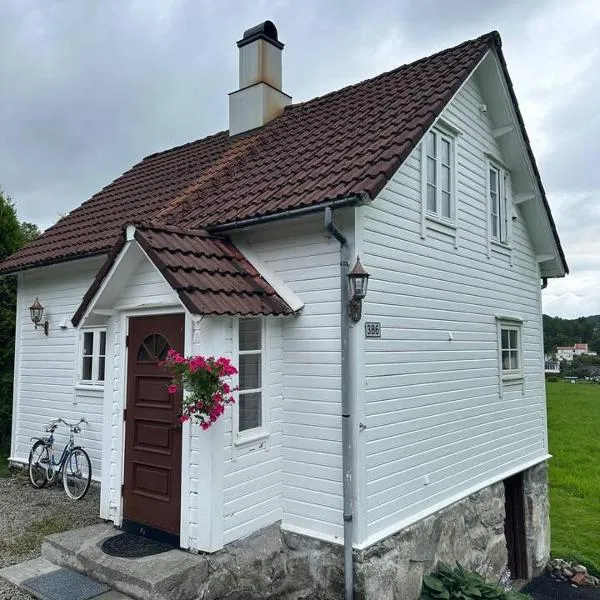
(413, 433)
(565, 353)
(569, 352)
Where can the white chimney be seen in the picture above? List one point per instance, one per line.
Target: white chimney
(259, 99)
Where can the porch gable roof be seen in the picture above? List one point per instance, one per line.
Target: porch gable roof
(208, 273)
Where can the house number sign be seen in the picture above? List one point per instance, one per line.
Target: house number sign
(372, 329)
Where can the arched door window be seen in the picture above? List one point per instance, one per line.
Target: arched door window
(153, 349)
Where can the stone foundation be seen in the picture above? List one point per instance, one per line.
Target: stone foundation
(537, 518)
(278, 564)
(470, 532)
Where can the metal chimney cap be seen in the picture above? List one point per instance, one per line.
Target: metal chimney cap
(266, 31)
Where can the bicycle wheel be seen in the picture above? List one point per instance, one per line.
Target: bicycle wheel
(39, 462)
(77, 473)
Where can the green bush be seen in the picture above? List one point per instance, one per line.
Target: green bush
(552, 379)
(454, 583)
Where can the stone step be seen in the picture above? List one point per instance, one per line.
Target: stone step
(172, 575)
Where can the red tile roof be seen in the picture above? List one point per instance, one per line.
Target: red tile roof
(209, 274)
(346, 144)
(343, 146)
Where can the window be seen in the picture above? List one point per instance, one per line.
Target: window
(250, 406)
(510, 348)
(93, 357)
(439, 174)
(499, 204)
(511, 354)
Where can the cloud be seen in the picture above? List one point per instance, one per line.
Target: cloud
(90, 88)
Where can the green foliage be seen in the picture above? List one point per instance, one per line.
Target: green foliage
(566, 332)
(574, 438)
(455, 583)
(13, 235)
(581, 366)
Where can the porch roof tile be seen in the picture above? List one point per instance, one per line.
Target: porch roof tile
(209, 274)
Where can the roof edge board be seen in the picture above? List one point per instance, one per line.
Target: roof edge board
(281, 288)
(528, 156)
(100, 282)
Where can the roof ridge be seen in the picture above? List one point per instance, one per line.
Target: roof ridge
(492, 37)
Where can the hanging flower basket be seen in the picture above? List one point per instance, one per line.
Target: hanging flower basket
(204, 380)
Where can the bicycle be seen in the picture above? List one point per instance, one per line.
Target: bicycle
(74, 463)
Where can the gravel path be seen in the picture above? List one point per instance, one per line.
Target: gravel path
(27, 515)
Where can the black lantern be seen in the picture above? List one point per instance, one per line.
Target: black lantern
(37, 312)
(358, 281)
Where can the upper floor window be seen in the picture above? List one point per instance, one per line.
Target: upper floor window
(499, 204)
(438, 158)
(250, 404)
(93, 356)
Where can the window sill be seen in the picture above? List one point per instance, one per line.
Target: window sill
(440, 224)
(250, 437)
(512, 377)
(501, 247)
(89, 387)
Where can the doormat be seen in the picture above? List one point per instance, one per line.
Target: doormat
(64, 584)
(127, 545)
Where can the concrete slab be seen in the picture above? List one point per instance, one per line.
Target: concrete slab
(21, 572)
(173, 575)
(17, 574)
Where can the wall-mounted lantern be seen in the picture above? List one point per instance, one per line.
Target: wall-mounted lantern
(37, 312)
(358, 281)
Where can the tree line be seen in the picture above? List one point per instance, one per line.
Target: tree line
(567, 332)
(13, 235)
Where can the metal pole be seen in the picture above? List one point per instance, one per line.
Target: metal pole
(347, 451)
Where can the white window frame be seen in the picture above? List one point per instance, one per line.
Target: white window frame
(441, 135)
(510, 324)
(96, 336)
(257, 433)
(504, 198)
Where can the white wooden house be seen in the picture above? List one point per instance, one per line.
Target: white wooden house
(230, 245)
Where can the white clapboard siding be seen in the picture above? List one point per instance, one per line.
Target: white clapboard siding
(47, 367)
(252, 490)
(147, 287)
(437, 427)
(301, 255)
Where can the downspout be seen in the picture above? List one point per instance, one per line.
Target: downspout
(544, 283)
(347, 466)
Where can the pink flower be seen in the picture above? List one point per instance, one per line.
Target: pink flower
(183, 418)
(179, 359)
(204, 426)
(172, 389)
(225, 388)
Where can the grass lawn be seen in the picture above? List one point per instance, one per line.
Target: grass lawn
(574, 438)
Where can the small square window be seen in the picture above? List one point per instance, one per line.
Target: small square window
(510, 349)
(93, 357)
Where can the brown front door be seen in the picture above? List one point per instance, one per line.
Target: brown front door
(152, 486)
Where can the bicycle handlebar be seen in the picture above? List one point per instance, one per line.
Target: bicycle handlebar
(55, 422)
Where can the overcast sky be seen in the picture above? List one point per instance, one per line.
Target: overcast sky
(88, 88)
